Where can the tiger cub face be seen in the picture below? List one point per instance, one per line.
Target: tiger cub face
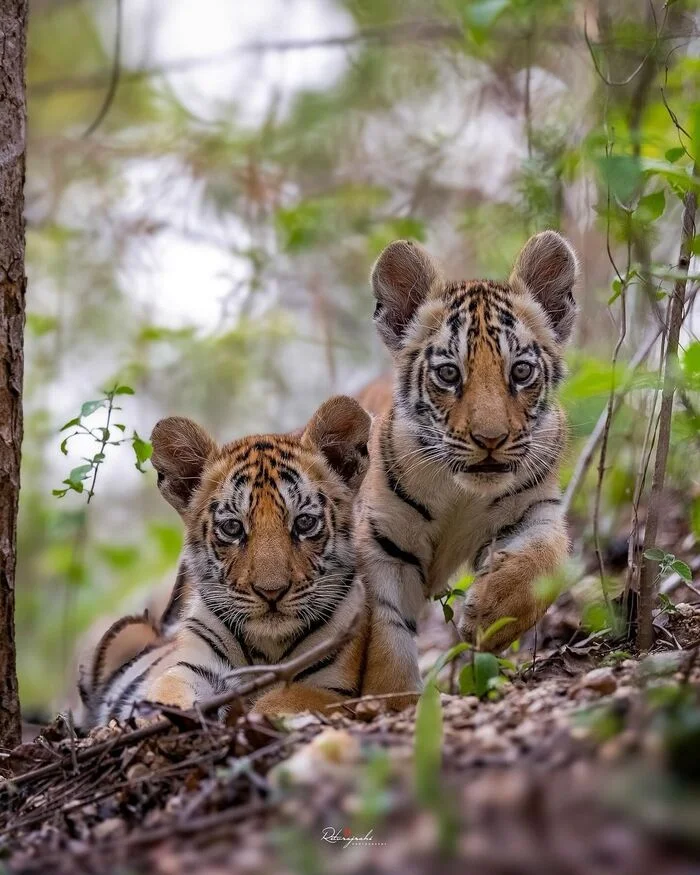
(478, 362)
(268, 518)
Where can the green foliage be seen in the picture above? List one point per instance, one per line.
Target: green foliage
(428, 745)
(668, 563)
(480, 676)
(102, 436)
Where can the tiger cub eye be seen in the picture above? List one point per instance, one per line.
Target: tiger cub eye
(449, 374)
(522, 371)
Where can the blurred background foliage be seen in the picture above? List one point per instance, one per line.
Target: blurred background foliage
(209, 243)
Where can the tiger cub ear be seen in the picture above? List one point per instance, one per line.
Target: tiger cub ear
(548, 268)
(180, 451)
(340, 430)
(402, 278)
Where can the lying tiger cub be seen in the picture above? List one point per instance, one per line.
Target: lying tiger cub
(270, 568)
(465, 453)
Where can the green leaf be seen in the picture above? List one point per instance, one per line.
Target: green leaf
(64, 446)
(91, 406)
(476, 679)
(617, 291)
(691, 365)
(446, 657)
(142, 450)
(447, 612)
(495, 627)
(123, 390)
(463, 584)
(428, 745)
(120, 426)
(622, 174)
(672, 155)
(77, 475)
(483, 13)
(40, 325)
(467, 684)
(301, 226)
(682, 569)
(485, 668)
(655, 554)
(651, 206)
(70, 424)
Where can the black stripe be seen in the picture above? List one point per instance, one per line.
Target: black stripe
(118, 672)
(215, 681)
(130, 688)
(343, 590)
(210, 638)
(174, 607)
(393, 550)
(317, 666)
(341, 691)
(402, 622)
(393, 481)
(404, 625)
(531, 483)
(251, 654)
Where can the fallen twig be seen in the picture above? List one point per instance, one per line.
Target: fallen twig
(284, 671)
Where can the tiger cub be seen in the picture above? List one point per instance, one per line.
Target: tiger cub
(269, 564)
(465, 454)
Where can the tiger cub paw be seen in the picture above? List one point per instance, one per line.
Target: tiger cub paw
(170, 689)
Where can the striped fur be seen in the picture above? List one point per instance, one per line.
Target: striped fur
(465, 457)
(268, 570)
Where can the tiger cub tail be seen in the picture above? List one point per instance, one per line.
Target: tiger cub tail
(122, 644)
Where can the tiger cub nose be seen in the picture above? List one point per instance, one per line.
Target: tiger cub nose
(271, 594)
(489, 440)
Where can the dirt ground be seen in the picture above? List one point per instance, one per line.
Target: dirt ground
(589, 762)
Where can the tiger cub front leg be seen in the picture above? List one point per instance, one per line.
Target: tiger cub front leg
(391, 666)
(507, 587)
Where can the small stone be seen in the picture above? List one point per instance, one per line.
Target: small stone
(108, 828)
(600, 680)
(137, 772)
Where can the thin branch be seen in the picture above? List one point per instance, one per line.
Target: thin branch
(650, 568)
(398, 33)
(638, 69)
(633, 566)
(284, 671)
(586, 456)
(114, 76)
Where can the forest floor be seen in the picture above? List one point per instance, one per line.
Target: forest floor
(587, 763)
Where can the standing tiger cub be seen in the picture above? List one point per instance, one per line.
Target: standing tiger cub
(464, 458)
(270, 567)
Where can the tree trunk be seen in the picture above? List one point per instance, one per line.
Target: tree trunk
(13, 41)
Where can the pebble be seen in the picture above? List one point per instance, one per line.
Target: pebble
(600, 680)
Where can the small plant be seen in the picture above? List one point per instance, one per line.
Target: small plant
(484, 675)
(458, 591)
(668, 563)
(103, 437)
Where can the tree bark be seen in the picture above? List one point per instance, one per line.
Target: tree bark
(13, 41)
